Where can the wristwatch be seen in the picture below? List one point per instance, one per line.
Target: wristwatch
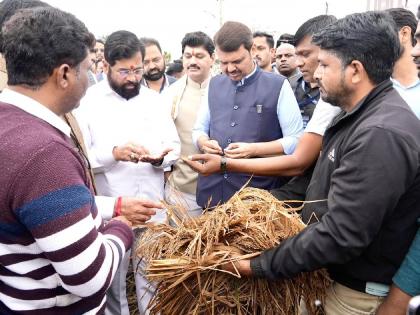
(223, 165)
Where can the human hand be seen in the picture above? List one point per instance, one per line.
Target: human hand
(240, 150)
(138, 210)
(155, 160)
(129, 152)
(210, 146)
(243, 267)
(122, 219)
(205, 164)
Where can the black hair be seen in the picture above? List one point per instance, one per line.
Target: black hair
(197, 39)
(312, 26)
(268, 37)
(403, 17)
(174, 67)
(232, 35)
(36, 41)
(147, 41)
(368, 37)
(285, 38)
(98, 40)
(10, 7)
(122, 45)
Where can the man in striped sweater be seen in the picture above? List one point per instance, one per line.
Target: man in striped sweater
(56, 254)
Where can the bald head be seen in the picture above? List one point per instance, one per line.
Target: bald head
(286, 59)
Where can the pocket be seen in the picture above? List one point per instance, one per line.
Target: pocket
(340, 305)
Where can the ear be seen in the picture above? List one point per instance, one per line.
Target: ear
(253, 49)
(213, 57)
(404, 34)
(63, 75)
(357, 71)
(106, 66)
(273, 52)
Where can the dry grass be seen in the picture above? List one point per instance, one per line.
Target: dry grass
(186, 260)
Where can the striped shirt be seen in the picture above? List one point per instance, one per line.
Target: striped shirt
(56, 254)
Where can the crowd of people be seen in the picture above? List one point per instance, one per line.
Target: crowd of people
(96, 133)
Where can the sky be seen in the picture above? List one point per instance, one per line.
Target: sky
(169, 20)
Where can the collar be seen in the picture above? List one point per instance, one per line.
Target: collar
(250, 77)
(296, 74)
(196, 85)
(384, 85)
(34, 108)
(165, 83)
(412, 85)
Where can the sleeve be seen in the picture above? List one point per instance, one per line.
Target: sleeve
(60, 213)
(290, 118)
(100, 157)
(407, 277)
(202, 124)
(171, 140)
(354, 216)
(323, 114)
(105, 206)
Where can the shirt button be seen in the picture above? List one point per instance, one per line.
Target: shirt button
(233, 124)
(225, 176)
(235, 107)
(229, 140)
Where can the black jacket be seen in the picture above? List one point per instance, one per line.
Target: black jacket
(369, 172)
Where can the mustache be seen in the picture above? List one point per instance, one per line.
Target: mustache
(193, 66)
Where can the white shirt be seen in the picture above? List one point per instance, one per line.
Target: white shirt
(108, 120)
(321, 118)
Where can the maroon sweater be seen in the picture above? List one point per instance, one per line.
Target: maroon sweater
(56, 254)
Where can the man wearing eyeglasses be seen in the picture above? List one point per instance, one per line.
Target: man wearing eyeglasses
(130, 141)
(154, 76)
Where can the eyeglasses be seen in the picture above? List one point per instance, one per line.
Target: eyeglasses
(125, 72)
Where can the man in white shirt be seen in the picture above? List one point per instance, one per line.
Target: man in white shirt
(130, 139)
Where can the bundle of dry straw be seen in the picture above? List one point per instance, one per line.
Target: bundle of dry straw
(185, 261)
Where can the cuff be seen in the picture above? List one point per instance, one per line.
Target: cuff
(105, 206)
(256, 267)
(105, 156)
(122, 231)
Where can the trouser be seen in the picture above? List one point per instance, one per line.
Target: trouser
(117, 303)
(116, 296)
(188, 201)
(341, 300)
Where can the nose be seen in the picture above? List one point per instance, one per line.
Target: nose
(318, 73)
(416, 50)
(230, 67)
(299, 61)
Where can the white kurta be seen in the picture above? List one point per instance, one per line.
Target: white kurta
(108, 120)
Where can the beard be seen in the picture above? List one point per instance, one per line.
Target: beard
(127, 90)
(155, 75)
(338, 97)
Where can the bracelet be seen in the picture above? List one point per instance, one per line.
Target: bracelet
(223, 164)
(118, 207)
